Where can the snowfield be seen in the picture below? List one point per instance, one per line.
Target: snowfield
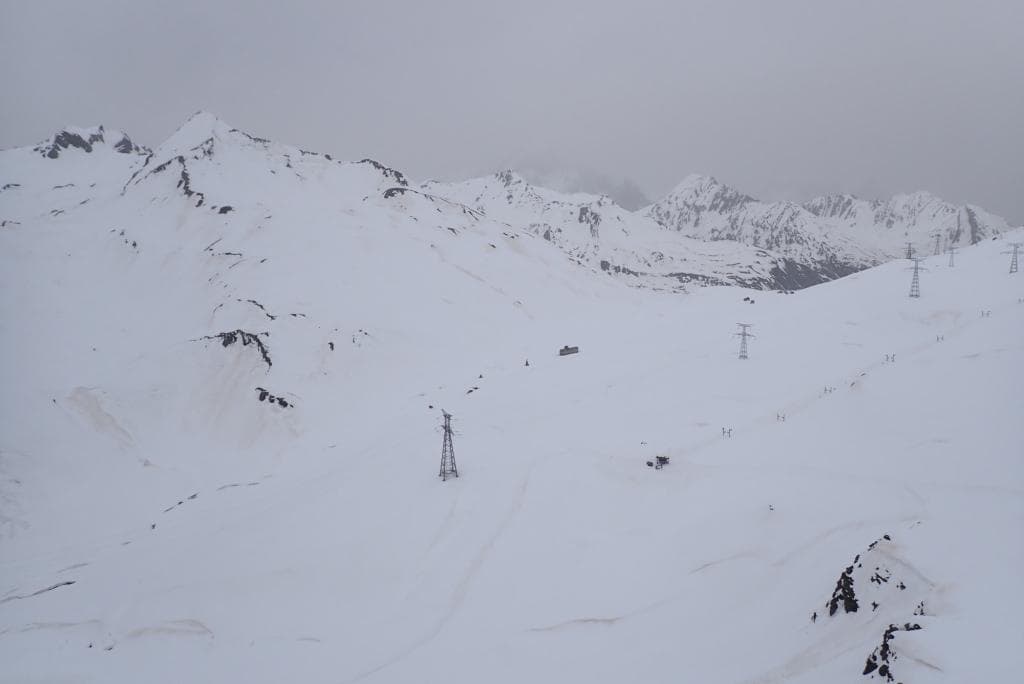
(220, 438)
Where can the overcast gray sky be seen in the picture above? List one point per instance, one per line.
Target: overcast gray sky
(781, 99)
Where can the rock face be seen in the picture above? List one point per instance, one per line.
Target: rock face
(882, 658)
(876, 577)
(229, 338)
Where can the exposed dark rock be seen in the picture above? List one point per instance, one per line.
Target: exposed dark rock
(387, 171)
(204, 149)
(844, 593)
(591, 218)
(184, 179)
(265, 395)
(263, 141)
(793, 275)
(66, 139)
(873, 578)
(607, 266)
(700, 279)
(185, 183)
(135, 174)
(225, 209)
(882, 658)
(126, 146)
(253, 301)
(247, 338)
(881, 576)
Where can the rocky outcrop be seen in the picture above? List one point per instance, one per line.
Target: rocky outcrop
(880, 660)
(229, 338)
(85, 140)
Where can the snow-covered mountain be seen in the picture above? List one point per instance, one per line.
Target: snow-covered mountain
(595, 231)
(701, 233)
(832, 235)
(225, 361)
(916, 218)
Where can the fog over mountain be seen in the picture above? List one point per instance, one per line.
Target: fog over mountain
(626, 193)
(870, 98)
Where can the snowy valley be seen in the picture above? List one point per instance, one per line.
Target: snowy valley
(226, 361)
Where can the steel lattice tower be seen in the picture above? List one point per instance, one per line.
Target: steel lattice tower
(744, 335)
(910, 250)
(448, 466)
(915, 283)
(938, 237)
(1013, 259)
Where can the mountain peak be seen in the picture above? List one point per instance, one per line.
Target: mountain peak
(704, 192)
(508, 178)
(196, 130)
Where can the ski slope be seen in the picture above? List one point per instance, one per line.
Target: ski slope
(160, 523)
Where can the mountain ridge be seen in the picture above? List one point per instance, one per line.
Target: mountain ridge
(722, 235)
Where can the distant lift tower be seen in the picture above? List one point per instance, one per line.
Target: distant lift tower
(952, 253)
(938, 238)
(448, 467)
(1013, 259)
(910, 250)
(744, 335)
(915, 283)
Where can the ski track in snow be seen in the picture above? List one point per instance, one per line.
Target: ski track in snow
(460, 590)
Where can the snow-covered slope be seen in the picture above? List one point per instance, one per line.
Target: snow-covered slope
(219, 443)
(832, 235)
(74, 167)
